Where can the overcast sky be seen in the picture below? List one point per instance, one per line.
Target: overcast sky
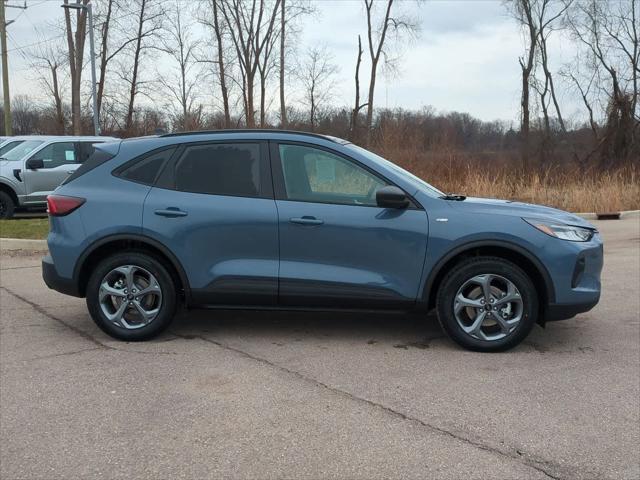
(465, 58)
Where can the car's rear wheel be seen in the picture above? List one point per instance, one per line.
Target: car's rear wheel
(131, 296)
(7, 206)
(487, 304)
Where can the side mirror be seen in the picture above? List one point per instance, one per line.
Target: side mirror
(34, 164)
(391, 197)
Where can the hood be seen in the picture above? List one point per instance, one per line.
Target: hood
(494, 206)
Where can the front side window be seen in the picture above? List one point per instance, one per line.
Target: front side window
(23, 149)
(57, 154)
(220, 169)
(314, 175)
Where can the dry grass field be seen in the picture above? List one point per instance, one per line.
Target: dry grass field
(484, 175)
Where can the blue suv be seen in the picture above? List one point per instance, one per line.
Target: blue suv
(291, 220)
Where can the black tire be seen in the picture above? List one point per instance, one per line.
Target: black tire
(7, 205)
(467, 269)
(167, 305)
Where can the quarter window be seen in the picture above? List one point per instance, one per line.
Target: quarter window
(147, 169)
(314, 175)
(57, 154)
(220, 169)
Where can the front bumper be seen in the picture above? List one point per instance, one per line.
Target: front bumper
(576, 269)
(54, 281)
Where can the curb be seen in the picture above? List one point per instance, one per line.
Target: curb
(594, 216)
(15, 244)
(18, 244)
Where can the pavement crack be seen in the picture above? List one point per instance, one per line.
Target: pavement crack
(546, 468)
(83, 334)
(64, 354)
(42, 311)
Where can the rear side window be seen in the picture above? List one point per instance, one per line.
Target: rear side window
(96, 159)
(220, 169)
(146, 169)
(85, 150)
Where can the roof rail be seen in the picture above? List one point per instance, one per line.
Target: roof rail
(252, 130)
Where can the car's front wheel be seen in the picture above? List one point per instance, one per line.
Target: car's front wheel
(7, 206)
(131, 296)
(487, 304)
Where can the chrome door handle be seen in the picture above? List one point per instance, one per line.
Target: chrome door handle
(306, 220)
(171, 212)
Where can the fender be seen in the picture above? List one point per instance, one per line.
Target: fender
(550, 292)
(138, 238)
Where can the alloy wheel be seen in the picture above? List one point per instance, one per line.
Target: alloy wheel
(130, 297)
(488, 307)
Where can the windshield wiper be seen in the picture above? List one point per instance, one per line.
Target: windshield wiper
(456, 198)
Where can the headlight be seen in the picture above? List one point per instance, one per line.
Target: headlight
(562, 231)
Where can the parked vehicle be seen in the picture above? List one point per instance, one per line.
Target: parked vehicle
(32, 167)
(289, 220)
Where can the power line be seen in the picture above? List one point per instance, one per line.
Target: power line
(40, 42)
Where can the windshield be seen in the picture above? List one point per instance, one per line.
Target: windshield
(416, 180)
(8, 146)
(24, 148)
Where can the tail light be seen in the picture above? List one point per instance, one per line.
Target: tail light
(60, 205)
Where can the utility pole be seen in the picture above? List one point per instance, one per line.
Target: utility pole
(5, 71)
(8, 130)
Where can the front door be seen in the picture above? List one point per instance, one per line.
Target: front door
(213, 207)
(60, 160)
(337, 247)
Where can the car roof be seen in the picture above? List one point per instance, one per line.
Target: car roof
(259, 133)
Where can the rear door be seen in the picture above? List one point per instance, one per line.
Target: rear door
(60, 160)
(213, 207)
(337, 247)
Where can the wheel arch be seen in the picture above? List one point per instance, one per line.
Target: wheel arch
(117, 243)
(522, 257)
(8, 189)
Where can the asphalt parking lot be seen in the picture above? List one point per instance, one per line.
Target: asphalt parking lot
(291, 395)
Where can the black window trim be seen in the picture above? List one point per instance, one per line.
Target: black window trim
(117, 172)
(278, 176)
(166, 178)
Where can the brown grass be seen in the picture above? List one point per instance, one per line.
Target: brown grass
(493, 175)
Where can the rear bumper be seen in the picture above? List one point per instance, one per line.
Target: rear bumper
(557, 311)
(55, 281)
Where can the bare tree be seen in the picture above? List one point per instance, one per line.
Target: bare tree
(608, 33)
(75, 44)
(104, 53)
(357, 107)
(46, 59)
(182, 81)
(290, 12)
(391, 25)
(523, 12)
(147, 24)
(251, 28)
(213, 18)
(547, 16)
(266, 65)
(316, 75)
(283, 25)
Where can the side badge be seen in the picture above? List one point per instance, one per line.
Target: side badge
(442, 219)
